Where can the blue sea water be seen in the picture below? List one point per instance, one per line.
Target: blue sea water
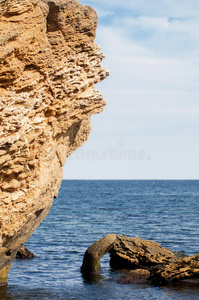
(85, 211)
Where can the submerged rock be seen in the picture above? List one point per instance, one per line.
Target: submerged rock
(92, 256)
(135, 276)
(23, 252)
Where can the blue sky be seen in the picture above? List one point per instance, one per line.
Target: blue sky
(149, 129)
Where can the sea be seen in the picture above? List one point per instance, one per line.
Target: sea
(165, 211)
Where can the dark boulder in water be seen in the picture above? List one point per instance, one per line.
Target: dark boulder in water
(23, 252)
(92, 256)
(134, 276)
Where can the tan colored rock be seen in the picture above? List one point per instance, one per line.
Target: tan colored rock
(151, 263)
(132, 253)
(48, 67)
(92, 256)
(182, 270)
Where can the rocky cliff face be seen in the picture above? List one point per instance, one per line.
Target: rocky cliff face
(48, 67)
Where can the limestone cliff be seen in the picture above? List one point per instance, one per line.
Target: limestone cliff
(48, 67)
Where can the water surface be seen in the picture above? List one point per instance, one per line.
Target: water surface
(163, 211)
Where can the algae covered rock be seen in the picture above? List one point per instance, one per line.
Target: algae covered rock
(141, 261)
(92, 256)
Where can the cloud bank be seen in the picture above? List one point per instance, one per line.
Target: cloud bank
(152, 51)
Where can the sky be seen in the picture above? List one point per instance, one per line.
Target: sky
(149, 128)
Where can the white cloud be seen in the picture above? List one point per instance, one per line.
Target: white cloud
(160, 8)
(151, 49)
(104, 13)
(159, 35)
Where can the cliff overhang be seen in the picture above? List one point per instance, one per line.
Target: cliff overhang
(49, 65)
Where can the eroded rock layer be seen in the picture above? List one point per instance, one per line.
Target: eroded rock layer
(48, 67)
(149, 262)
(133, 253)
(185, 271)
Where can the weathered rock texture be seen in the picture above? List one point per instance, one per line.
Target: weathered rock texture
(48, 67)
(184, 270)
(142, 261)
(152, 263)
(132, 253)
